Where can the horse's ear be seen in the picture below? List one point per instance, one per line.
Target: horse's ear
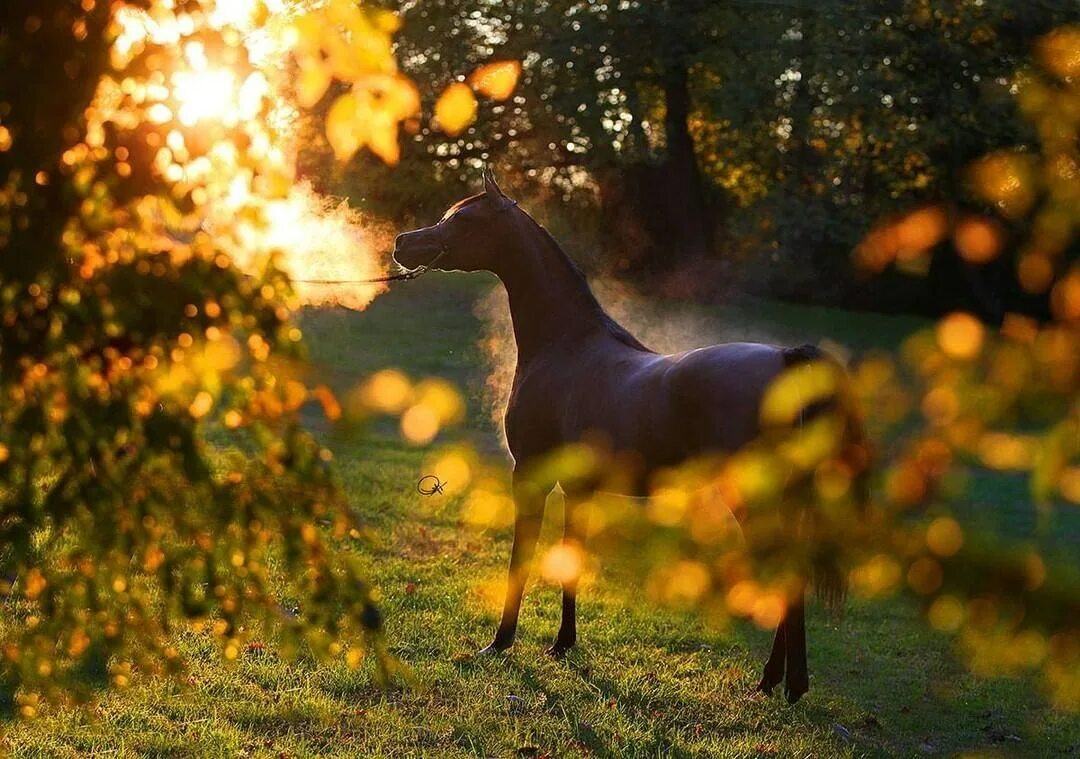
(491, 189)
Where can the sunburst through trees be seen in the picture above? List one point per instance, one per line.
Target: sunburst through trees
(150, 218)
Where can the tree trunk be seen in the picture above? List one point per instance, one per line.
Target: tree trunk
(680, 187)
(655, 214)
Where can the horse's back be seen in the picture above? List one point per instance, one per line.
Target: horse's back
(717, 392)
(663, 409)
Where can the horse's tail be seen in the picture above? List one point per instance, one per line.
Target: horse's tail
(827, 572)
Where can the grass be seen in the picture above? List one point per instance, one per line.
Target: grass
(644, 681)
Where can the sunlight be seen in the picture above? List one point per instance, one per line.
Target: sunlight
(208, 468)
(239, 13)
(221, 113)
(203, 95)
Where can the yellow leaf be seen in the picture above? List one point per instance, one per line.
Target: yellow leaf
(399, 96)
(496, 80)
(295, 394)
(35, 583)
(419, 424)
(386, 21)
(455, 109)
(342, 128)
(314, 79)
(347, 59)
(812, 443)
(1059, 51)
(330, 404)
(383, 140)
(201, 405)
(306, 34)
(360, 42)
(960, 336)
(794, 390)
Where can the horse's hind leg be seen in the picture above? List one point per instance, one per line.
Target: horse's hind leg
(529, 502)
(797, 679)
(567, 635)
(774, 667)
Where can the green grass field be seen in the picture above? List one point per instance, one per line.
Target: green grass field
(644, 681)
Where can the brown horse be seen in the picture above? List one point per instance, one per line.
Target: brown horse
(579, 375)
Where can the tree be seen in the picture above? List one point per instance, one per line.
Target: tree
(765, 134)
(153, 471)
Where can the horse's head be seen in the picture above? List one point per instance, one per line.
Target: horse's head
(467, 237)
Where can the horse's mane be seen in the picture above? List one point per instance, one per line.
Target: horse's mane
(616, 330)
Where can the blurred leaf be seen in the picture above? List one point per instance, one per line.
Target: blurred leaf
(496, 80)
(455, 108)
(312, 83)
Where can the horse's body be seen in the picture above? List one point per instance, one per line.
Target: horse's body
(662, 409)
(580, 376)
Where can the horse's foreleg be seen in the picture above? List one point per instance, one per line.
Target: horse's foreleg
(529, 502)
(797, 679)
(567, 635)
(774, 667)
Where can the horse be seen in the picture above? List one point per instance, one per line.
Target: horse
(580, 374)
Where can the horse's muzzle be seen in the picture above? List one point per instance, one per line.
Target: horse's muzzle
(417, 248)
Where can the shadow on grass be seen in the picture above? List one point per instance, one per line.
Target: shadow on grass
(886, 684)
(537, 682)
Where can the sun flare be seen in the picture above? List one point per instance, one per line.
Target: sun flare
(204, 95)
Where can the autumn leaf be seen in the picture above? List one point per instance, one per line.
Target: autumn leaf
(343, 127)
(330, 405)
(496, 80)
(312, 83)
(396, 94)
(383, 140)
(455, 109)
(1058, 51)
(386, 22)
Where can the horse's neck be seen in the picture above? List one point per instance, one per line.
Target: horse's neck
(549, 299)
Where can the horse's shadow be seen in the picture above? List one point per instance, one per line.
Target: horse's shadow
(645, 702)
(582, 731)
(842, 704)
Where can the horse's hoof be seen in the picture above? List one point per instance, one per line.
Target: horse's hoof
(559, 650)
(493, 649)
(793, 695)
(769, 681)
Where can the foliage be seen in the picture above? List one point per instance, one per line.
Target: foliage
(647, 680)
(1007, 401)
(153, 470)
(146, 327)
(809, 122)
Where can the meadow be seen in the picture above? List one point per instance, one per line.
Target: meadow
(644, 680)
